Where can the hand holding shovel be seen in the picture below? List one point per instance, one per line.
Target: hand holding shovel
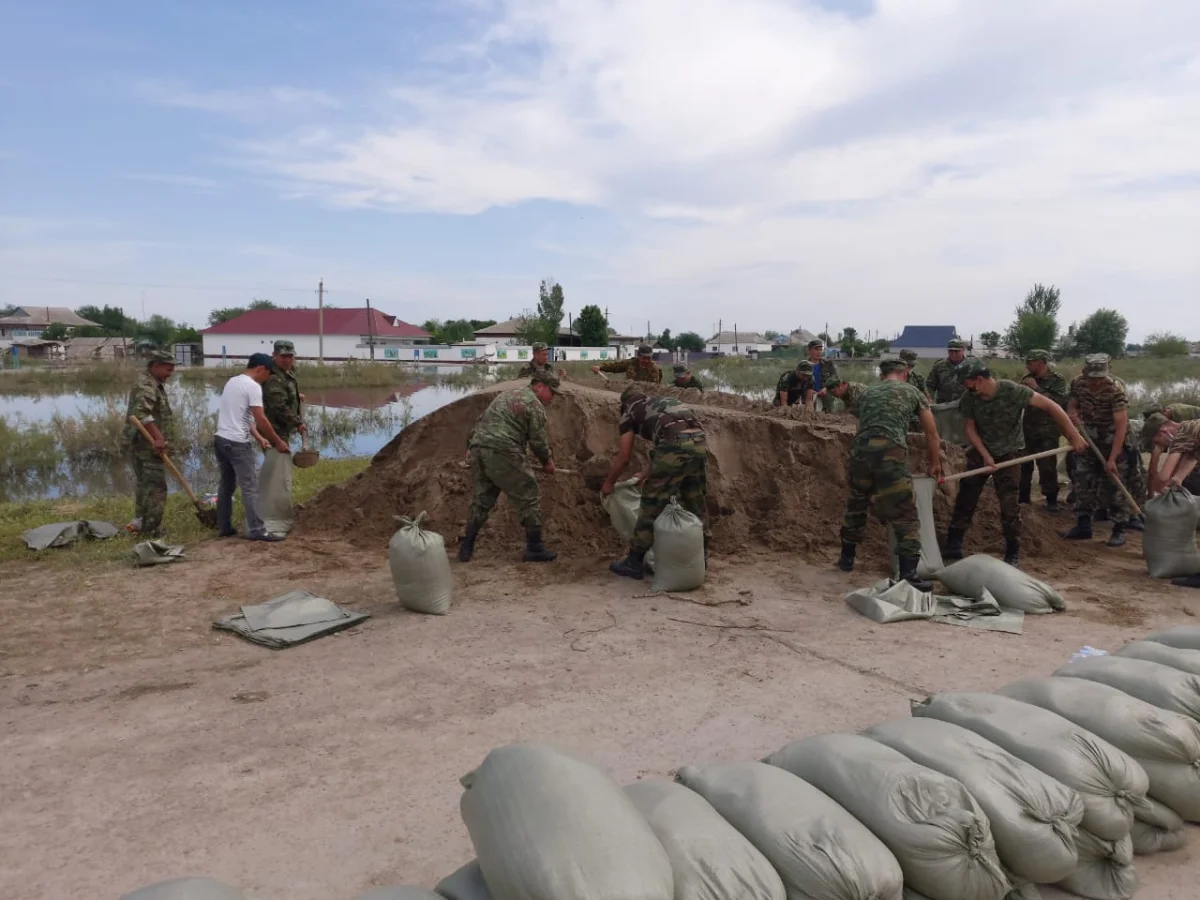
(206, 515)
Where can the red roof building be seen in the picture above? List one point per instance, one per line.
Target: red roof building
(348, 334)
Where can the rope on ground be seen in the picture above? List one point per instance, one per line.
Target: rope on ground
(580, 634)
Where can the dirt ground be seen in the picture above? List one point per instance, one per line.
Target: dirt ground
(137, 744)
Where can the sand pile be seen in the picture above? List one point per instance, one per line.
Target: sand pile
(776, 481)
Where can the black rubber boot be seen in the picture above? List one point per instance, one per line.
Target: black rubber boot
(1101, 515)
(954, 542)
(1025, 497)
(535, 550)
(466, 547)
(1012, 552)
(1117, 538)
(908, 572)
(1082, 530)
(846, 560)
(1192, 581)
(1052, 502)
(1136, 524)
(630, 567)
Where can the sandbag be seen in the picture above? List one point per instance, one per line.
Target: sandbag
(950, 423)
(678, 550)
(1175, 657)
(924, 488)
(400, 893)
(465, 883)
(818, 848)
(709, 858)
(548, 826)
(1105, 870)
(420, 568)
(622, 506)
(1165, 744)
(1110, 783)
(187, 889)
(1157, 829)
(1185, 637)
(1011, 587)
(275, 492)
(1034, 818)
(1162, 686)
(932, 825)
(1169, 541)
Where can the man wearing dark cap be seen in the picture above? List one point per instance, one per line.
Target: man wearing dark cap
(943, 385)
(795, 388)
(641, 368)
(514, 421)
(879, 468)
(540, 362)
(1042, 432)
(240, 411)
(915, 378)
(148, 402)
(281, 403)
(849, 392)
(678, 468)
(685, 379)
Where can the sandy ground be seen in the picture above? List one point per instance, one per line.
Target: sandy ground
(137, 750)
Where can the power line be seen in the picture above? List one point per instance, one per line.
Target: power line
(177, 287)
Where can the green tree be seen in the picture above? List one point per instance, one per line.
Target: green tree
(186, 334)
(261, 304)
(7, 311)
(550, 310)
(690, 341)
(529, 327)
(850, 344)
(991, 339)
(1042, 300)
(592, 327)
(770, 335)
(1164, 344)
(112, 321)
(159, 330)
(665, 339)
(1031, 331)
(1104, 331)
(55, 332)
(217, 316)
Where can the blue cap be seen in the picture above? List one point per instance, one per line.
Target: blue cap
(260, 359)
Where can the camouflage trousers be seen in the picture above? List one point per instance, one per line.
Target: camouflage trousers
(1047, 468)
(677, 469)
(496, 472)
(1007, 484)
(1094, 487)
(879, 472)
(150, 493)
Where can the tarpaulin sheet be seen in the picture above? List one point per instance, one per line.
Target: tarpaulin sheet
(156, 553)
(60, 534)
(290, 619)
(885, 602)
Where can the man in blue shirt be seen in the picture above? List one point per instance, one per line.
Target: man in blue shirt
(823, 370)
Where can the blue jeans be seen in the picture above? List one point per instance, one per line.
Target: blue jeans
(238, 466)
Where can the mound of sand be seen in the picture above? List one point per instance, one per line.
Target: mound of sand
(777, 481)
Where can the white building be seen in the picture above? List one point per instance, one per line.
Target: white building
(739, 343)
(348, 334)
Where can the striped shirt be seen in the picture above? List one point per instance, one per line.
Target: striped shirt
(1098, 399)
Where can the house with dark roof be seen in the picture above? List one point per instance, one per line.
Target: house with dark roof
(31, 321)
(348, 334)
(927, 341)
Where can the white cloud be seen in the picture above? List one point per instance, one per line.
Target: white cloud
(203, 185)
(240, 103)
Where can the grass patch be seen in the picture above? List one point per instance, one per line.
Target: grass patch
(181, 523)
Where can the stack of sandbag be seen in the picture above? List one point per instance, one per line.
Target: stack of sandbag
(547, 826)
(1183, 660)
(187, 889)
(932, 825)
(1169, 541)
(1185, 637)
(1165, 744)
(1157, 829)
(420, 568)
(622, 506)
(1111, 783)
(817, 848)
(709, 858)
(1034, 818)
(1105, 869)
(678, 549)
(1012, 588)
(1159, 685)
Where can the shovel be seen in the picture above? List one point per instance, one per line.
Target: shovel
(305, 459)
(206, 515)
(959, 476)
(1116, 479)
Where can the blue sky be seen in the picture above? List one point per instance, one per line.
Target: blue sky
(774, 163)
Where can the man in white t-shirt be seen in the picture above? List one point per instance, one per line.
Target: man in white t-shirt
(242, 407)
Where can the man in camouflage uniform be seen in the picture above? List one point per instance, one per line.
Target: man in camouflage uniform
(915, 378)
(943, 385)
(849, 392)
(879, 468)
(795, 388)
(148, 402)
(678, 468)
(641, 368)
(992, 411)
(540, 362)
(1097, 402)
(515, 420)
(685, 379)
(1161, 435)
(281, 394)
(1041, 430)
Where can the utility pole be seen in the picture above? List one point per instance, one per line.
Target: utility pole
(370, 331)
(321, 322)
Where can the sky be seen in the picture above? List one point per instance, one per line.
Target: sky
(772, 164)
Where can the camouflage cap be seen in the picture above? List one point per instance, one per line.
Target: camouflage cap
(645, 350)
(832, 383)
(955, 344)
(285, 348)
(1153, 424)
(1037, 356)
(1096, 364)
(630, 396)
(972, 368)
(538, 345)
(909, 356)
(680, 368)
(813, 345)
(804, 367)
(160, 356)
(888, 366)
(549, 379)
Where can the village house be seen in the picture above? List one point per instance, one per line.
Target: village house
(927, 341)
(348, 334)
(32, 321)
(737, 343)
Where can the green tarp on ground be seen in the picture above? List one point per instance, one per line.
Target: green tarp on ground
(885, 602)
(293, 618)
(60, 534)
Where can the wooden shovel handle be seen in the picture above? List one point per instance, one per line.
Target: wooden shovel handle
(1137, 510)
(959, 476)
(136, 423)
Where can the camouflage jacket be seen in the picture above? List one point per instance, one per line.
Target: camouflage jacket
(1182, 412)
(690, 382)
(514, 420)
(530, 367)
(1052, 386)
(796, 386)
(998, 420)
(658, 419)
(917, 380)
(822, 372)
(885, 409)
(148, 401)
(281, 403)
(1098, 400)
(633, 371)
(1187, 439)
(854, 393)
(943, 385)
